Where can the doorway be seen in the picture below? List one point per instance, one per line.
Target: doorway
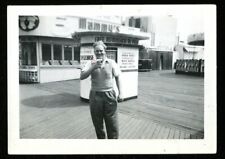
(28, 54)
(111, 53)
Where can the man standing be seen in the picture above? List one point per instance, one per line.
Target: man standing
(103, 98)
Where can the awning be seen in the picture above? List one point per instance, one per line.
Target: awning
(190, 49)
(111, 34)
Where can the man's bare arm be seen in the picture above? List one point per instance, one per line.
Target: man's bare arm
(119, 86)
(86, 73)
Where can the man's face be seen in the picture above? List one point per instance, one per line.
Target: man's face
(99, 52)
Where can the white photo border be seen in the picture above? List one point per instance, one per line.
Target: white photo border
(94, 146)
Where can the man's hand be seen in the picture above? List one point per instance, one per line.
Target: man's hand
(96, 64)
(120, 98)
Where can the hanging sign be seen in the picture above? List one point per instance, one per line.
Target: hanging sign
(28, 23)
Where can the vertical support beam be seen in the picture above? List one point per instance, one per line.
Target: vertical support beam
(28, 54)
(52, 53)
(62, 52)
(40, 52)
(39, 59)
(73, 52)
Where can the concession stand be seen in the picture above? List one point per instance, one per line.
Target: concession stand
(47, 52)
(121, 47)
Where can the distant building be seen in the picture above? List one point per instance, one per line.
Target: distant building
(193, 50)
(162, 38)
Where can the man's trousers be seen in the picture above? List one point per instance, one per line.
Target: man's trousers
(103, 107)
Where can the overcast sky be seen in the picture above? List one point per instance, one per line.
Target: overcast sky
(190, 18)
(187, 25)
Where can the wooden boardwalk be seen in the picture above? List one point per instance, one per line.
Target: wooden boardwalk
(168, 106)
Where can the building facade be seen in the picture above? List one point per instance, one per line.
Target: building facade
(162, 39)
(48, 51)
(194, 49)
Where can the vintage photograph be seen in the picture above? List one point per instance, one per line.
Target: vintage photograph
(129, 76)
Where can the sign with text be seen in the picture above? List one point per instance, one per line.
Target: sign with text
(86, 54)
(128, 60)
(25, 67)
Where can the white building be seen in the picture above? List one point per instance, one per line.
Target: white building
(49, 53)
(162, 31)
(193, 50)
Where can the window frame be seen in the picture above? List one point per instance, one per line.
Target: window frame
(42, 52)
(97, 26)
(82, 23)
(104, 27)
(62, 53)
(61, 46)
(21, 59)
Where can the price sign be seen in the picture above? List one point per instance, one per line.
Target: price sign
(129, 61)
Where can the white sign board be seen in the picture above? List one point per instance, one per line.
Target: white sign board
(86, 54)
(128, 59)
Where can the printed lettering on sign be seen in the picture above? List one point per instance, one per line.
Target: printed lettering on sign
(128, 61)
(86, 55)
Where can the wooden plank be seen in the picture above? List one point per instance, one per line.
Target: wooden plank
(123, 125)
(41, 127)
(54, 110)
(187, 135)
(165, 117)
(128, 128)
(171, 134)
(143, 126)
(193, 136)
(156, 131)
(161, 132)
(123, 120)
(151, 131)
(177, 134)
(148, 127)
(81, 132)
(154, 112)
(138, 129)
(132, 128)
(166, 133)
(64, 126)
(182, 134)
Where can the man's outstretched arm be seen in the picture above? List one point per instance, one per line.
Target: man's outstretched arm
(86, 72)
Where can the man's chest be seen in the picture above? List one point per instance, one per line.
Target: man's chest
(103, 73)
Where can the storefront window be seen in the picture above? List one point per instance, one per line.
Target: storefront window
(77, 53)
(28, 53)
(111, 53)
(134, 41)
(110, 28)
(97, 26)
(90, 26)
(57, 50)
(108, 39)
(102, 38)
(67, 52)
(46, 52)
(104, 28)
(138, 23)
(82, 23)
(129, 41)
(131, 22)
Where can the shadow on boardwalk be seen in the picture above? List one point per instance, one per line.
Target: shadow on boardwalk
(53, 101)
